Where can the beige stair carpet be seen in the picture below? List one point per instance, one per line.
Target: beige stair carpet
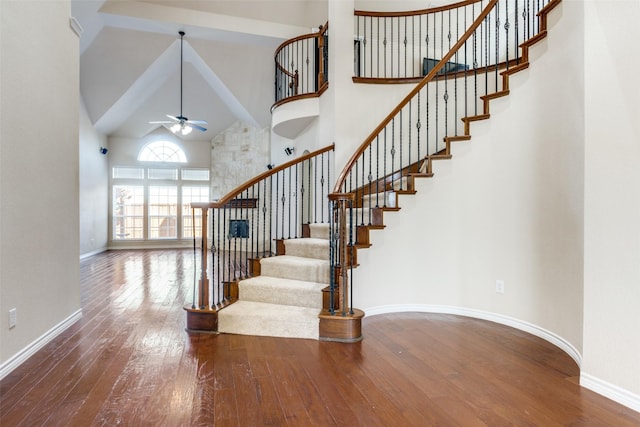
(285, 300)
(319, 230)
(307, 248)
(276, 290)
(273, 320)
(296, 268)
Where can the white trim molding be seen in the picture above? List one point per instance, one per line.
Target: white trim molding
(19, 358)
(553, 338)
(613, 392)
(92, 253)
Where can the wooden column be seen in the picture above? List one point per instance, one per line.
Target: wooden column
(346, 324)
(203, 284)
(202, 317)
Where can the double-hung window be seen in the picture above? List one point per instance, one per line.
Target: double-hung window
(154, 203)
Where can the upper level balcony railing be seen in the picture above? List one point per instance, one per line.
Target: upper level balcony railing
(407, 45)
(301, 66)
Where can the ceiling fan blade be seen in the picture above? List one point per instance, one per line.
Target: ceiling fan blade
(200, 128)
(197, 122)
(177, 119)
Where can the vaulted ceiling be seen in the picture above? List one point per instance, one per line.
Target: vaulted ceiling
(130, 60)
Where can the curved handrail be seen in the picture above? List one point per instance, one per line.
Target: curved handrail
(224, 200)
(300, 65)
(393, 45)
(429, 77)
(416, 12)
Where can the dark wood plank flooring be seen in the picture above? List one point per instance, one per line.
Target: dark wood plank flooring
(129, 362)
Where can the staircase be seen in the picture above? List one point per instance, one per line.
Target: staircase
(285, 296)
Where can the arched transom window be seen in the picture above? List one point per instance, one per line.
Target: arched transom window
(162, 151)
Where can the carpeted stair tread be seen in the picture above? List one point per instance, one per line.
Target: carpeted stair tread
(264, 319)
(307, 248)
(276, 290)
(296, 268)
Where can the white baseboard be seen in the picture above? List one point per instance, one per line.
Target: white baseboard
(613, 392)
(88, 254)
(554, 339)
(7, 367)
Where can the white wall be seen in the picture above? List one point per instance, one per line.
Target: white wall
(39, 223)
(124, 151)
(94, 188)
(612, 201)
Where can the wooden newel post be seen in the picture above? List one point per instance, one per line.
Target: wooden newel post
(201, 317)
(203, 284)
(321, 53)
(340, 211)
(346, 325)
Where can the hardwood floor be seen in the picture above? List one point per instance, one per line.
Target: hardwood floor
(128, 361)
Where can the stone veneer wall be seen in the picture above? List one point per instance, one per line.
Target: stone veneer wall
(237, 154)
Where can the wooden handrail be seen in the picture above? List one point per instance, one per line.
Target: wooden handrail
(434, 71)
(284, 44)
(238, 190)
(320, 91)
(300, 77)
(416, 12)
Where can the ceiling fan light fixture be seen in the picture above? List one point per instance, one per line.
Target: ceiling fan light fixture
(180, 124)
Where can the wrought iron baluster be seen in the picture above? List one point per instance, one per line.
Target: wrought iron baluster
(497, 46)
(298, 220)
(370, 177)
(378, 39)
(377, 166)
(321, 203)
(271, 222)
(418, 125)
(282, 200)
(409, 127)
(289, 202)
(384, 167)
(362, 195)
(384, 43)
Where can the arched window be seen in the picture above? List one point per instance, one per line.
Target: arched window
(162, 151)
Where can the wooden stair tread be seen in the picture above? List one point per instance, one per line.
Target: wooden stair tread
(457, 138)
(421, 174)
(439, 157)
(495, 95)
(476, 118)
(515, 69)
(533, 40)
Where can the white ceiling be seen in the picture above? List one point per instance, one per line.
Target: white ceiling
(130, 60)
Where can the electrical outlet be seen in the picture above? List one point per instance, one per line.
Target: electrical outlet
(13, 318)
(500, 286)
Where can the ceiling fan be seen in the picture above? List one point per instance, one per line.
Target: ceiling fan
(181, 124)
